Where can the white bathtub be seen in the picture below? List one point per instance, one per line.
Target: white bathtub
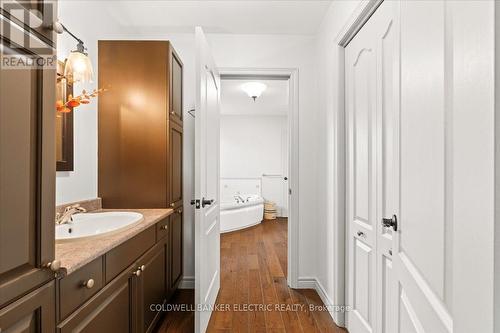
(243, 212)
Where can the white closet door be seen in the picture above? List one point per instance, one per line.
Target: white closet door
(395, 98)
(361, 102)
(422, 246)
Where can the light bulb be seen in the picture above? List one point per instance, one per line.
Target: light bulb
(253, 89)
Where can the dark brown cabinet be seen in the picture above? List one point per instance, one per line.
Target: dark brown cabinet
(27, 166)
(130, 286)
(175, 249)
(175, 87)
(175, 158)
(141, 140)
(110, 310)
(34, 312)
(151, 286)
(138, 166)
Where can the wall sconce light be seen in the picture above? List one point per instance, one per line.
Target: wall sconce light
(78, 67)
(253, 89)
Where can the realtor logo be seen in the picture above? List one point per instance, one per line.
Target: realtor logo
(21, 47)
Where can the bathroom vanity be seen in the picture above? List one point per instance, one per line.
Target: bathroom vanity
(109, 283)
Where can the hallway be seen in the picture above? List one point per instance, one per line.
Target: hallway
(254, 266)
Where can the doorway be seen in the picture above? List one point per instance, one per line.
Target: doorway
(278, 184)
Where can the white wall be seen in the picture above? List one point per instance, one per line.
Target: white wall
(251, 146)
(330, 132)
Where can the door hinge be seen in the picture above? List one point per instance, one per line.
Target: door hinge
(289, 191)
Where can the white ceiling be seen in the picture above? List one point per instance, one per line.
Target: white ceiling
(272, 102)
(229, 16)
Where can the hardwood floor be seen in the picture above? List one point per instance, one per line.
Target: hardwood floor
(254, 296)
(179, 321)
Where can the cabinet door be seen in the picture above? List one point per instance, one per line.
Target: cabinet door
(113, 309)
(34, 312)
(27, 168)
(151, 290)
(175, 87)
(176, 248)
(175, 179)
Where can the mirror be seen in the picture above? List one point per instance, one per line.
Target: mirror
(64, 123)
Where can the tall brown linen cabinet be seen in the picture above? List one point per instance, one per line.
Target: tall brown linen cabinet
(27, 167)
(140, 133)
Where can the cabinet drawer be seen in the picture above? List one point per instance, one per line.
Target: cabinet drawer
(162, 229)
(76, 288)
(122, 256)
(110, 310)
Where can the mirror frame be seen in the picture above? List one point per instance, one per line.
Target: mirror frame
(66, 164)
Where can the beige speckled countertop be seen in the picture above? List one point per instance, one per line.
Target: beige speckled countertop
(76, 254)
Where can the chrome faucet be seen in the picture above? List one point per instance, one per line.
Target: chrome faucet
(67, 215)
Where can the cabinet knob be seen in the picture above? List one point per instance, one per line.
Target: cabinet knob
(172, 112)
(53, 265)
(142, 268)
(89, 283)
(179, 211)
(172, 204)
(165, 227)
(137, 272)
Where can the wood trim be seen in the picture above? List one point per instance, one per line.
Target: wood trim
(66, 163)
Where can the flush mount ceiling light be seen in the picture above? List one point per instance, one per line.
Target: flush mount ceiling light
(253, 89)
(78, 67)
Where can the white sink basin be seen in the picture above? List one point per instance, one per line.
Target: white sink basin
(90, 225)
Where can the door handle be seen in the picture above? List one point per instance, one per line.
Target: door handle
(392, 222)
(206, 202)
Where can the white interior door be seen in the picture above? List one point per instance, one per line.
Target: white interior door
(361, 103)
(422, 246)
(396, 163)
(207, 223)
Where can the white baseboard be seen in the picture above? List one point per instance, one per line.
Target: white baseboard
(313, 283)
(187, 282)
(306, 283)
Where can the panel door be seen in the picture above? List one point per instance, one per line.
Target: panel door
(422, 245)
(34, 312)
(384, 29)
(175, 178)
(27, 167)
(361, 104)
(176, 81)
(152, 287)
(176, 248)
(411, 275)
(132, 124)
(207, 172)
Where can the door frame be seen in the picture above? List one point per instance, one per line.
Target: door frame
(484, 198)
(293, 157)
